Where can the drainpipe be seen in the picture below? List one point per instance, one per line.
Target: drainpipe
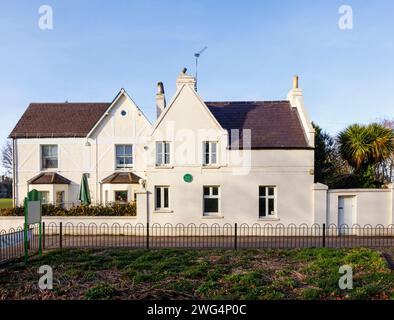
(97, 180)
(14, 200)
(101, 193)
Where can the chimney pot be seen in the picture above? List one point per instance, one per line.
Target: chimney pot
(295, 82)
(160, 88)
(160, 99)
(185, 79)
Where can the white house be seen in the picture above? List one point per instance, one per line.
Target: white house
(56, 143)
(199, 162)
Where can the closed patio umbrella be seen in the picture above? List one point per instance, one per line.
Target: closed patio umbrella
(84, 194)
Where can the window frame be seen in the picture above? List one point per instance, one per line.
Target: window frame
(121, 202)
(62, 203)
(211, 196)
(210, 153)
(48, 201)
(162, 198)
(47, 157)
(267, 197)
(164, 153)
(124, 156)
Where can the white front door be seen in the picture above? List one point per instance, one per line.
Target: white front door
(345, 213)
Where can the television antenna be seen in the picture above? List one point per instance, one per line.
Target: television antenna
(197, 56)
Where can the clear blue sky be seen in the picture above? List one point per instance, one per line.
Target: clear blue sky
(254, 49)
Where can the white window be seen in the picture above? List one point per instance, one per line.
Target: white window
(124, 156)
(106, 200)
(162, 198)
(121, 196)
(60, 199)
(209, 153)
(211, 200)
(267, 201)
(44, 196)
(49, 158)
(162, 153)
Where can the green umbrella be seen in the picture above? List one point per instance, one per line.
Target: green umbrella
(84, 194)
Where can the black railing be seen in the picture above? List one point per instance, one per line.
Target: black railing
(12, 243)
(227, 236)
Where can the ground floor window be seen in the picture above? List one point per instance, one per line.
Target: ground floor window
(267, 201)
(211, 200)
(162, 197)
(44, 195)
(60, 199)
(121, 196)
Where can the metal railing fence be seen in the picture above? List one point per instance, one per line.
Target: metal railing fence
(192, 236)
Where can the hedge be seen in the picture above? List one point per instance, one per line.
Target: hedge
(49, 210)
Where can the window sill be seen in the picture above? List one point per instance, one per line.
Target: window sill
(213, 217)
(164, 167)
(213, 166)
(269, 219)
(163, 211)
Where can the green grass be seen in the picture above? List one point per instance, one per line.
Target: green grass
(5, 203)
(194, 274)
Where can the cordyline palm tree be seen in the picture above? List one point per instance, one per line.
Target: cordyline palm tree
(365, 147)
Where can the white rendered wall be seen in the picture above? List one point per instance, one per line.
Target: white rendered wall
(372, 206)
(186, 124)
(76, 157)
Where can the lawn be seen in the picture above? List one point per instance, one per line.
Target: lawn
(5, 203)
(193, 274)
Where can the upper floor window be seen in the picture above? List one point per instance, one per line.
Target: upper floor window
(49, 157)
(162, 153)
(210, 153)
(267, 201)
(124, 156)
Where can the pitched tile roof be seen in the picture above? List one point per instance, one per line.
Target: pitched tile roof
(273, 124)
(122, 178)
(49, 178)
(46, 120)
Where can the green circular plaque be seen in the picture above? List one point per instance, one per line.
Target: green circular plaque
(188, 178)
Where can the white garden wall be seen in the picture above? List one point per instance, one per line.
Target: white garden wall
(7, 223)
(372, 206)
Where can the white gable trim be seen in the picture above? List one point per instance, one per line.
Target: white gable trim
(163, 114)
(121, 92)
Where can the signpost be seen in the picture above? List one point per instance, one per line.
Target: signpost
(32, 207)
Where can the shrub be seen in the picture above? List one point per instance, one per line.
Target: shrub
(50, 210)
(17, 211)
(101, 291)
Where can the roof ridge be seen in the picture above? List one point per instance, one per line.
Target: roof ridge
(249, 101)
(62, 103)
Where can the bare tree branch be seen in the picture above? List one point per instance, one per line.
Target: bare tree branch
(6, 158)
